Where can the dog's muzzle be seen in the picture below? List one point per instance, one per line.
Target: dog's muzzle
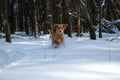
(60, 32)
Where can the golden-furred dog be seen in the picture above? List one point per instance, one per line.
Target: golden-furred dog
(58, 34)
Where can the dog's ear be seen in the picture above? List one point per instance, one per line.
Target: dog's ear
(65, 26)
(55, 25)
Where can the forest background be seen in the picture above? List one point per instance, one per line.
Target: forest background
(35, 17)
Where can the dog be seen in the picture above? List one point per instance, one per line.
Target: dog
(57, 34)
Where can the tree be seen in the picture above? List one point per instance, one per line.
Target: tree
(21, 15)
(89, 21)
(78, 18)
(66, 17)
(111, 9)
(11, 15)
(27, 18)
(5, 22)
(32, 16)
(100, 17)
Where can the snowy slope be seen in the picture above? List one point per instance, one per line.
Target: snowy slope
(79, 59)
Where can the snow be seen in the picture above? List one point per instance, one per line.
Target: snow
(103, 3)
(79, 59)
(110, 25)
(116, 21)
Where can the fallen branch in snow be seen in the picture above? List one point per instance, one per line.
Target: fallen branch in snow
(117, 36)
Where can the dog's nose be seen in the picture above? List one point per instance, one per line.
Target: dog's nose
(61, 32)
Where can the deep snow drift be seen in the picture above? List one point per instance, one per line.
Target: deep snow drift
(79, 59)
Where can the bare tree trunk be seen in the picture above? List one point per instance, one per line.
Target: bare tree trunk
(55, 12)
(5, 22)
(39, 15)
(88, 18)
(27, 18)
(43, 15)
(108, 14)
(66, 18)
(78, 21)
(11, 16)
(0, 17)
(33, 20)
(21, 14)
(100, 17)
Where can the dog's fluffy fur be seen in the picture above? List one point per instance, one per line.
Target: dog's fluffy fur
(58, 35)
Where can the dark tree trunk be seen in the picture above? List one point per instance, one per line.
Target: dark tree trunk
(33, 22)
(89, 22)
(39, 15)
(27, 18)
(11, 16)
(108, 14)
(66, 18)
(78, 18)
(100, 17)
(5, 22)
(7, 33)
(55, 12)
(92, 33)
(21, 14)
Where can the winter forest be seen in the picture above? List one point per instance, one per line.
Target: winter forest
(91, 40)
(35, 16)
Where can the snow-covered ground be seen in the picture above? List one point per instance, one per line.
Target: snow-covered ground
(79, 59)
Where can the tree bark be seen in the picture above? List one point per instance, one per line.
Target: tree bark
(33, 18)
(100, 17)
(21, 14)
(78, 18)
(5, 22)
(88, 19)
(11, 16)
(66, 18)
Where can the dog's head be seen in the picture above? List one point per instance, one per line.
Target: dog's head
(60, 28)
